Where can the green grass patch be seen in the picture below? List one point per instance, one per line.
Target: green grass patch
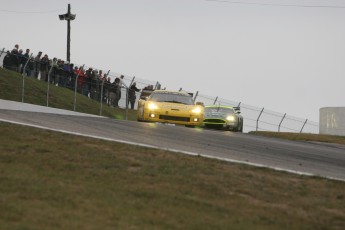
(35, 92)
(302, 137)
(51, 180)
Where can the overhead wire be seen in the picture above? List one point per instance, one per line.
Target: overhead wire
(31, 12)
(278, 5)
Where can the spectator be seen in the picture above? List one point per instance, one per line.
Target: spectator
(59, 73)
(87, 82)
(101, 80)
(100, 75)
(7, 62)
(30, 68)
(21, 59)
(54, 72)
(44, 66)
(117, 90)
(15, 58)
(15, 49)
(121, 85)
(132, 95)
(114, 92)
(148, 87)
(80, 78)
(94, 89)
(50, 65)
(24, 60)
(71, 77)
(65, 74)
(37, 64)
(106, 89)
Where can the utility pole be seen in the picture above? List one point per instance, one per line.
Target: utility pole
(68, 17)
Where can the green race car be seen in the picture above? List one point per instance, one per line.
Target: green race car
(223, 117)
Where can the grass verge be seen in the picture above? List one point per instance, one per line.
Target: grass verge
(303, 137)
(51, 180)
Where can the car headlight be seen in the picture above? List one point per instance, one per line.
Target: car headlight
(230, 118)
(152, 106)
(196, 110)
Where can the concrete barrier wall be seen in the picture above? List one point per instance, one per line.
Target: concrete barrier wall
(332, 121)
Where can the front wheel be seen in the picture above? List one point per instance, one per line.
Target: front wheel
(239, 127)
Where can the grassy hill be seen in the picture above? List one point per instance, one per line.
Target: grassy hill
(35, 92)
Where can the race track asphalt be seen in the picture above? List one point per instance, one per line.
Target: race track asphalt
(325, 160)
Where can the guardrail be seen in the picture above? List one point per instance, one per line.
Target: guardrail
(255, 118)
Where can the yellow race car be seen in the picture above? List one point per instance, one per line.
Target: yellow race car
(173, 107)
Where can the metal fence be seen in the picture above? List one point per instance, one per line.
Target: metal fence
(255, 118)
(96, 90)
(262, 119)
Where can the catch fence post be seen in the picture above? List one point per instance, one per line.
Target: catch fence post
(127, 99)
(23, 74)
(101, 98)
(303, 125)
(196, 95)
(50, 70)
(132, 81)
(281, 122)
(102, 88)
(215, 100)
(76, 86)
(126, 103)
(239, 104)
(2, 51)
(157, 86)
(257, 120)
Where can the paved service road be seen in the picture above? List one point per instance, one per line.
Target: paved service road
(325, 160)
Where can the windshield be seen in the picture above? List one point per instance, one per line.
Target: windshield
(172, 97)
(218, 110)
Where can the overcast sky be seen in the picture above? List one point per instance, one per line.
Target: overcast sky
(277, 54)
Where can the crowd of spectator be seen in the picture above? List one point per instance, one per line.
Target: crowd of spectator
(90, 82)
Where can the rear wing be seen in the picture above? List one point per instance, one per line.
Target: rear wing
(145, 93)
